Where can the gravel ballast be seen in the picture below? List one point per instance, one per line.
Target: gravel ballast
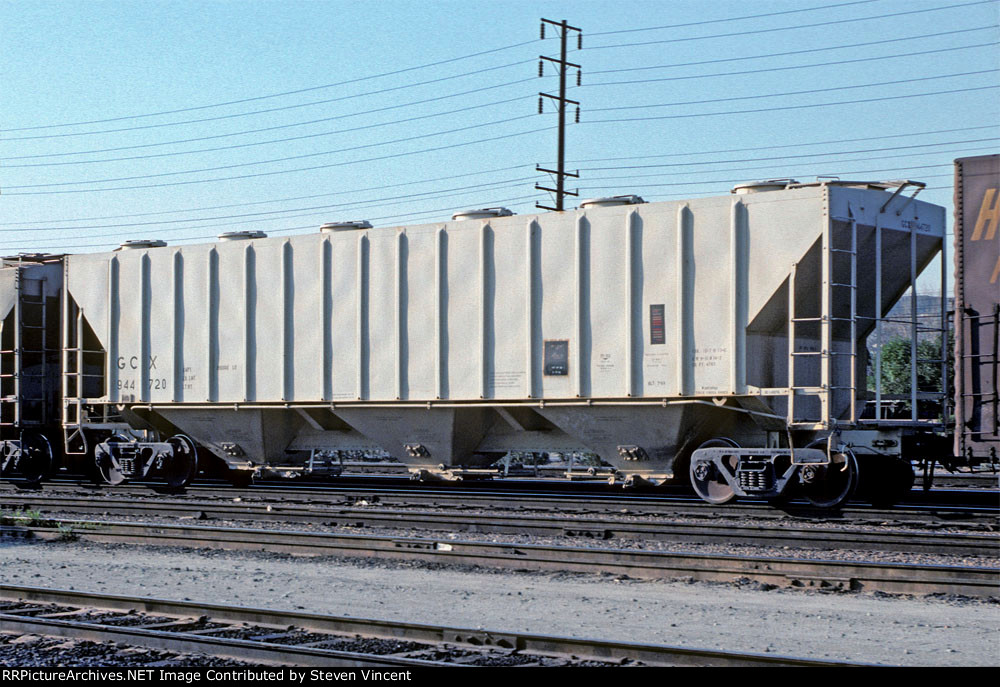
(30, 651)
(874, 628)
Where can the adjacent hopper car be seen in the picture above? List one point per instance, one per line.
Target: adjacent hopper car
(720, 340)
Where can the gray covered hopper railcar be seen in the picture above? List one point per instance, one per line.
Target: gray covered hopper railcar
(637, 332)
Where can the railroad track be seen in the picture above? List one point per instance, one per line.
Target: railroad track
(780, 571)
(985, 508)
(304, 639)
(784, 534)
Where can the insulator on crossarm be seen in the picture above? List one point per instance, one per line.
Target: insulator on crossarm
(540, 72)
(579, 78)
(539, 104)
(579, 40)
(577, 114)
(543, 32)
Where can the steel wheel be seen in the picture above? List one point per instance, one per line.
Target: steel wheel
(36, 457)
(181, 469)
(706, 480)
(106, 469)
(835, 482)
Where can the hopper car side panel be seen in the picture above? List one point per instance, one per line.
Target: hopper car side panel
(457, 311)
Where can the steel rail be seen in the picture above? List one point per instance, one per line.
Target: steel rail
(965, 544)
(258, 651)
(834, 574)
(404, 495)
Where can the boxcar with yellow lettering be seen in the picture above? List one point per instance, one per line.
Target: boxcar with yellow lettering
(977, 307)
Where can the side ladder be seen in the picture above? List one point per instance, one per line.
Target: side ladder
(834, 282)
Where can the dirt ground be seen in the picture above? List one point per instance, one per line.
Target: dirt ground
(874, 628)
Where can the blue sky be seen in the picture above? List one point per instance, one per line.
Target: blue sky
(679, 99)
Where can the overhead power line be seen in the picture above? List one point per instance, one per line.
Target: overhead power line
(795, 107)
(910, 134)
(341, 208)
(790, 28)
(864, 151)
(272, 200)
(286, 171)
(825, 89)
(790, 145)
(727, 19)
(411, 69)
(246, 218)
(279, 159)
(277, 140)
(493, 123)
(276, 127)
(455, 111)
(436, 212)
(709, 182)
(774, 165)
(256, 112)
(834, 63)
(791, 52)
(243, 216)
(294, 92)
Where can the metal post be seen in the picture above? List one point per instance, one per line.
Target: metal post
(44, 350)
(913, 325)
(64, 356)
(80, 374)
(17, 349)
(854, 319)
(561, 101)
(560, 179)
(878, 320)
(826, 326)
(791, 344)
(944, 334)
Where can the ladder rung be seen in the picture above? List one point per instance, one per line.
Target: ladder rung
(850, 286)
(807, 353)
(807, 319)
(842, 250)
(903, 320)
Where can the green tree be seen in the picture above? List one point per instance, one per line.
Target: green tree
(896, 366)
